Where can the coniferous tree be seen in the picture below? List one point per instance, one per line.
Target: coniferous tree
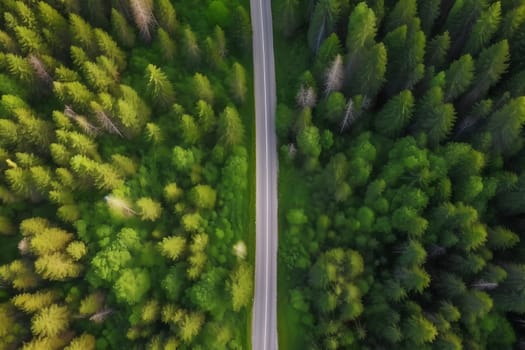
(323, 21)
(490, 65)
(230, 128)
(166, 16)
(159, 87)
(122, 30)
(50, 321)
(396, 114)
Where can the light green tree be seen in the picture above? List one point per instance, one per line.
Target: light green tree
(149, 209)
(230, 128)
(242, 286)
(172, 247)
(132, 285)
(203, 196)
(121, 29)
(50, 321)
(159, 86)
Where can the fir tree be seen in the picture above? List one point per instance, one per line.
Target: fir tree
(50, 321)
(159, 87)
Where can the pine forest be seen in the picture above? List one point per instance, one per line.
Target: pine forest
(128, 174)
(402, 174)
(125, 174)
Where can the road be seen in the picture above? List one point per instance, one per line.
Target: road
(264, 323)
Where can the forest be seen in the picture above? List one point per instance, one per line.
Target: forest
(126, 174)
(402, 174)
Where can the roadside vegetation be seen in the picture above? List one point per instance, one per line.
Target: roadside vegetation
(402, 174)
(126, 174)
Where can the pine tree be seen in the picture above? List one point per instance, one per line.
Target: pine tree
(420, 330)
(437, 50)
(19, 68)
(490, 65)
(79, 57)
(7, 43)
(190, 46)
(458, 77)
(50, 321)
(205, 116)
(371, 74)
(149, 209)
(19, 181)
(19, 274)
(395, 116)
(8, 132)
(91, 304)
(402, 13)
(97, 77)
(57, 267)
(33, 302)
(78, 143)
(122, 31)
(361, 30)
(132, 285)
(172, 247)
(167, 45)
(289, 16)
(74, 94)
(53, 22)
(511, 21)
(190, 326)
(109, 48)
(238, 83)
(25, 14)
(434, 117)
(83, 342)
(82, 34)
(166, 16)
(76, 250)
(30, 41)
(484, 29)
(330, 48)
(150, 311)
(460, 20)
(203, 196)
(406, 51)
(428, 13)
(159, 87)
(50, 240)
(505, 127)
(230, 127)
(202, 87)
(323, 21)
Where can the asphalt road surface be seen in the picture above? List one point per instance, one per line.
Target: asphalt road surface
(264, 323)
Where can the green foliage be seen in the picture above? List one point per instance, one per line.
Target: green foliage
(160, 89)
(50, 321)
(230, 127)
(132, 285)
(172, 247)
(395, 115)
(121, 29)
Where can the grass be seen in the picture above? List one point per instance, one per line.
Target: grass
(292, 59)
(293, 193)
